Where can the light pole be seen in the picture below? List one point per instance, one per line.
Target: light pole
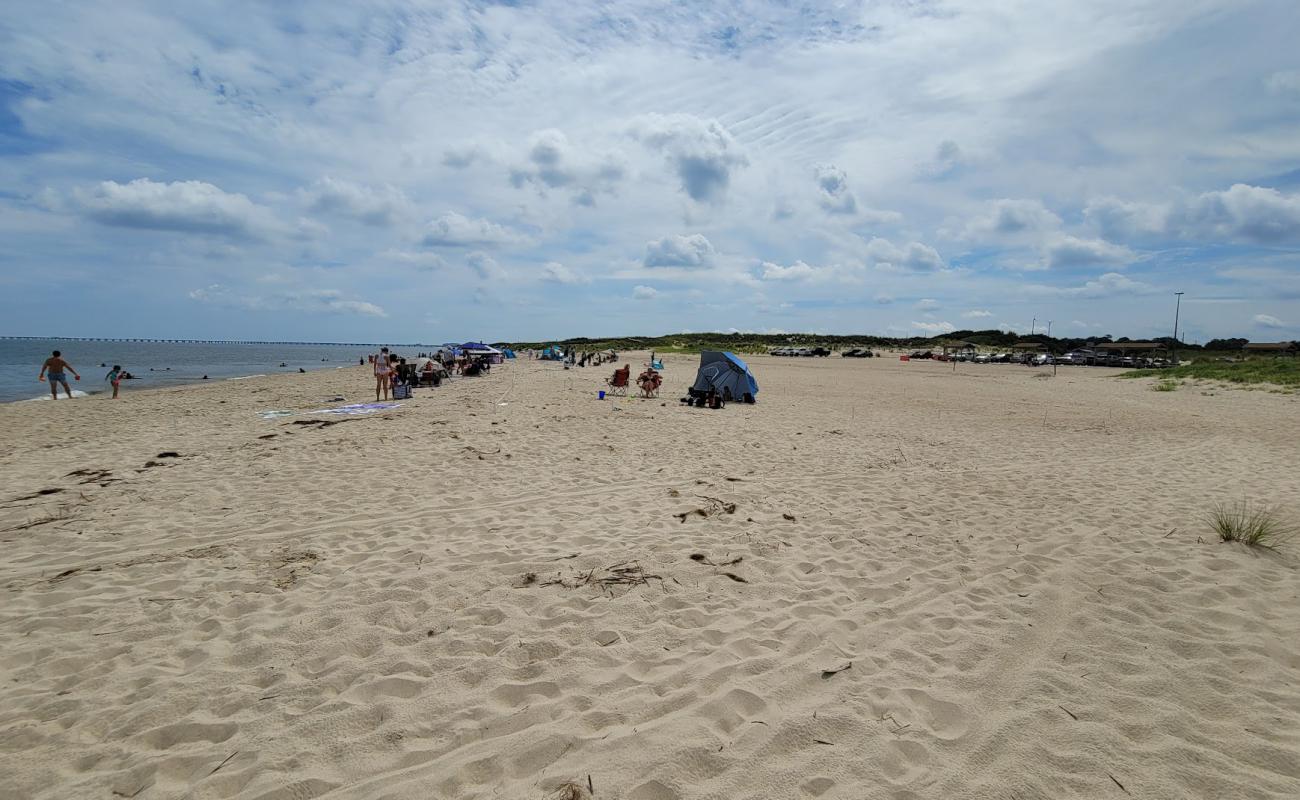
(1178, 306)
(1033, 325)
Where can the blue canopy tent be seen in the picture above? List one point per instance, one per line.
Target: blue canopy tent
(552, 353)
(727, 375)
(475, 349)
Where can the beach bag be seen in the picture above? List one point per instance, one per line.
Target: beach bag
(401, 392)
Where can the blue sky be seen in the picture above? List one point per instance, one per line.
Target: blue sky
(424, 172)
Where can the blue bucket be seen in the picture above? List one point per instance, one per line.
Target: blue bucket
(602, 395)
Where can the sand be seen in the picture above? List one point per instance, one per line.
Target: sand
(987, 583)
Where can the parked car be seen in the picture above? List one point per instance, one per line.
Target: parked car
(982, 358)
(821, 352)
(1043, 359)
(857, 352)
(918, 354)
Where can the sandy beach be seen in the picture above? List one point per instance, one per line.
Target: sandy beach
(883, 580)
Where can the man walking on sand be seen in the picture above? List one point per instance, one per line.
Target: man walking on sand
(55, 366)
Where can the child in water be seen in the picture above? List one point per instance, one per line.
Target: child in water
(114, 377)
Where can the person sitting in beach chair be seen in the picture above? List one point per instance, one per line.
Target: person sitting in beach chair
(618, 381)
(649, 382)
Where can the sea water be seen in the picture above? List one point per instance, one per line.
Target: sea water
(155, 363)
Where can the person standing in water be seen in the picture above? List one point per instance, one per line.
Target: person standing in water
(55, 366)
(114, 377)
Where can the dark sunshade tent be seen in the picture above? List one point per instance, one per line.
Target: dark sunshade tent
(725, 374)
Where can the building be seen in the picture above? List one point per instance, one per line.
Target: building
(1271, 349)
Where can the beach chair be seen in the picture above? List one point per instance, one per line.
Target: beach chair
(618, 382)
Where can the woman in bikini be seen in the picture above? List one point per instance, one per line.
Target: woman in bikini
(382, 369)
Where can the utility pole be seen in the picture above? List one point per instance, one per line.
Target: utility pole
(1178, 306)
(1033, 325)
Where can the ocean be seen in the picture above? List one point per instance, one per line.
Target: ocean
(159, 363)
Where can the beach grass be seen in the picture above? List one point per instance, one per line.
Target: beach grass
(1283, 372)
(1165, 385)
(1257, 526)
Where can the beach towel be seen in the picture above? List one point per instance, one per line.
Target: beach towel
(357, 409)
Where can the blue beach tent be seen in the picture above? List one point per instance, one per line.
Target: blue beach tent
(726, 374)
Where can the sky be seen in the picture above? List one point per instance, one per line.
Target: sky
(427, 172)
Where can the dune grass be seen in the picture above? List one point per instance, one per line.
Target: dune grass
(1257, 526)
(1165, 385)
(1284, 372)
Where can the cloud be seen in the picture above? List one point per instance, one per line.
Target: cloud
(882, 300)
(425, 261)
(797, 271)
(1107, 285)
(380, 206)
(977, 313)
(456, 230)
(1268, 321)
(701, 152)
(928, 304)
(693, 251)
(1071, 251)
(555, 272)
(644, 292)
(1009, 217)
(1118, 219)
(309, 300)
(934, 327)
(833, 186)
(462, 156)
(1244, 213)
(914, 256)
(948, 159)
(1251, 213)
(1287, 82)
(486, 267)
(552, 163)
(181, 206)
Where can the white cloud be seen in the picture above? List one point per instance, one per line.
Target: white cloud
(181, 206)
(1286, 82)
(426, 261)
(934, 327)
(1119, 219)
(379, 206)
(833, 188)
(1071, 251)
(1250, 213)
(1268, 321)
(552, 163)
(1108, 285)
(702, 153)
(882, 300)
(797, 271)
(456, 230)
(308, 300)
(485, 267)
(555, 272)
(976, 313)
(928, 304)
(692, 251)
(1239, 213)
(1010, 217)
(644, 292)
(914, 256)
